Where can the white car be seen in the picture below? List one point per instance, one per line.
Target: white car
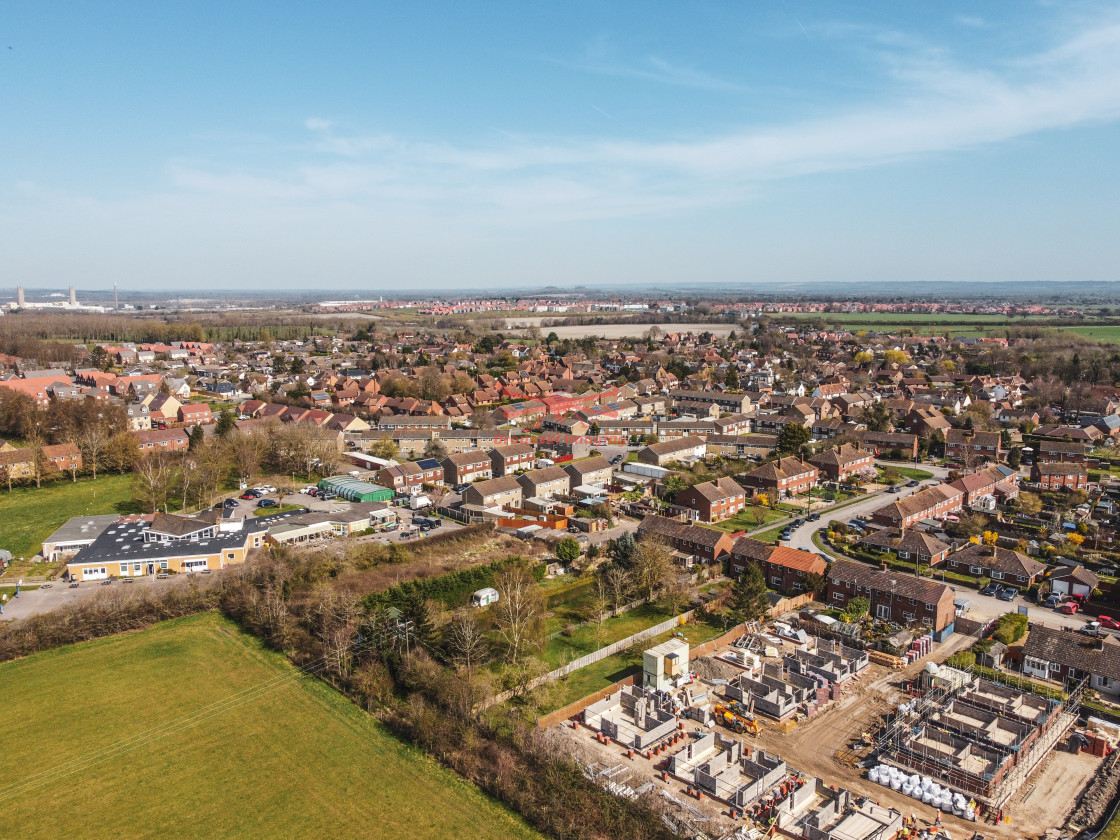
(268, 488)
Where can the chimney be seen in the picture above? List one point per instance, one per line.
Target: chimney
(20, 302)
(73, 297)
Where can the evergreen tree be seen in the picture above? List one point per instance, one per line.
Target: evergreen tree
(196, 437)
(748, 595)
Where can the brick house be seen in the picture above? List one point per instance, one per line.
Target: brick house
(1059, 452)
(1067, 655)
(977, 446)
(999, 564)
(784, 568)
(900, 598)
(162, 440)
(708, 544)
(195, 414)
(908, 545)
(62, 456)
(465, 467)
(1055, 476)
(880, 442)
(681, 449)
(985, 488)
(712, 501)
(784, 477)
(931, 503)
(841, 463)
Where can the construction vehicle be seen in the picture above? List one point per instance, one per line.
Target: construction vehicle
(735, 721)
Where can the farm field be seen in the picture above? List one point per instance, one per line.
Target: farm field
(1105, 334)
(267, 754)
(31, 515)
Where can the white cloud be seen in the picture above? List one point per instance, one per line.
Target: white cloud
(317, 124)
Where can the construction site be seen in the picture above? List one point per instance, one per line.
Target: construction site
(778, 729)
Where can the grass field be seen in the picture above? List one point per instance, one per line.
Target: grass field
(743, 521)
(908, 473)
(1109, 334)
(290, 758)
(30, 515)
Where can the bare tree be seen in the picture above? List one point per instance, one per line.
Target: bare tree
(150, 478)
(92, 439)
(519, 613)
(245, 453)
(466, 643)
(620, 584)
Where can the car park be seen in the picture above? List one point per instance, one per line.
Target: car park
(991, 589)
(1008, 593)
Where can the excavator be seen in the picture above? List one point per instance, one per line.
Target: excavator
(736, 718)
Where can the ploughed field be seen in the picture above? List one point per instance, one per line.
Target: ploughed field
(193, 729)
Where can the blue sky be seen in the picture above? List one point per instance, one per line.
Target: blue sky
(393, 146)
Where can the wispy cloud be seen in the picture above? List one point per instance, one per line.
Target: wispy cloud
(601, 57)
(970, 21)
(932, 105)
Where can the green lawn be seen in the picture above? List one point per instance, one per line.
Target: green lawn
(908, 472)
(30, 515)
(611, 669)
(564, 649)
(743, 521)
(99, 742)
(1108, 334)
(268, 511)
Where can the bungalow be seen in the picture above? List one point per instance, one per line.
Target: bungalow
(755, 447)
(712, 501)
(784, 568)
(999, 564)
(908, 545)
(880, 442)
(1067, 655)
(902, 599)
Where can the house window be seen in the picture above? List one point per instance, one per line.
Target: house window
(124, 568)
(909, 617)
(976, 570)
(927, 621)
(997, 575)
(929, 607)
(163, 565)
(913, 601)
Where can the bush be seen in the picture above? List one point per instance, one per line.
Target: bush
(1010, 628)
(961, 659)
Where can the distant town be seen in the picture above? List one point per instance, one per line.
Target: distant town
(829, 569)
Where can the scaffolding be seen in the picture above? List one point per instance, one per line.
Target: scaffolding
(920, 738)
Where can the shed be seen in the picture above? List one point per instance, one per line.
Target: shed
(356, 490)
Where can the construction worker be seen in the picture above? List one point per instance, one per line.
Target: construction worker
(937, 821)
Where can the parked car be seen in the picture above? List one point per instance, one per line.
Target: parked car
(797, 523)
(267, 503)
(813, 517)
(1108, 622)
(1069, 608)
(913, 482)
(247, 496)
(1052, 601)
(231, 503)
(991, 589)
(1008, 593)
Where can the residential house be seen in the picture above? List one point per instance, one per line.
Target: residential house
(902, 599)
(904, 443)
(162, 440)
(595, 471)
(842, 462)
(681, 449)
(707, 544)
(195, 414)
(506, 460)
(985, 489)
(999, 564)
(784, 568)
(784, 477)
(711, 501)
(1056, 476)
(931, 503)
(1076, 581)
(544, 483)
(496, 492)
(465, 467)
(908, 544)
(1067, 656)
(754, 447)
(974, 447)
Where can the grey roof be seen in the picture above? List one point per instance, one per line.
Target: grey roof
(1074, 650)
(82, 528)
(124, 542)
